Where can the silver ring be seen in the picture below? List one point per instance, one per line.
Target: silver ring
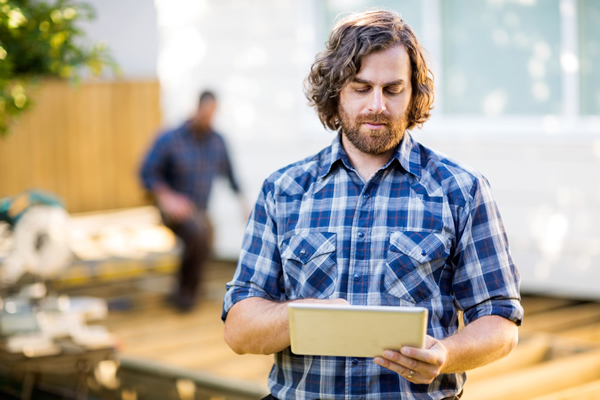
(411, 374)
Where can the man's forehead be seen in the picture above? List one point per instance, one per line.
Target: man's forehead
(390, 66)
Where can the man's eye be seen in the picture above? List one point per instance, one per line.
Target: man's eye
(361, 90)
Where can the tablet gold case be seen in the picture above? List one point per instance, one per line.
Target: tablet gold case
(354, 331)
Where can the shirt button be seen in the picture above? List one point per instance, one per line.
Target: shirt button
(302, 252)
(360, 234)
(423, 253)
(357, 277)
(355, 361)
(366, 196)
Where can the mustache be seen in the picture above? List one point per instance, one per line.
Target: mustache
(373, 118)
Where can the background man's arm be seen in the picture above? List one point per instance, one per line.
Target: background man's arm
(483, 341)
(260, 326)
(175, 206)
(226, 169)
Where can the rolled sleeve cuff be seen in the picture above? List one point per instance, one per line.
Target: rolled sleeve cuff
(236, 293)
(510, 309)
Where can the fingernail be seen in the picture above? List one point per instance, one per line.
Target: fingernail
(388, 354)
(406, 351)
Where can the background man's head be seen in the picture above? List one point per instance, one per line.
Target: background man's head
(202, 119)
(353, 38)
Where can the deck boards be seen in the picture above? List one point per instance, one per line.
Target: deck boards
(558, 354)
(151, 329)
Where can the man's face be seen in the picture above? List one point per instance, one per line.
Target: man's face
(202, 120)
(373, 106)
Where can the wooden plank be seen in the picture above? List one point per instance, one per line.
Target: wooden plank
(538, 304)
(562, 319)
(530, 351)
(75, 142)
(170, 320)
(205, 358)
(589, 391)
(249, 367)
(589, 332)
(229, 389)
(163, 342)
(194, 341)
(62, 170)
(541, 379)
(84, 143)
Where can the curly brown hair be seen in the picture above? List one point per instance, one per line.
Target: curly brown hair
(353, 38)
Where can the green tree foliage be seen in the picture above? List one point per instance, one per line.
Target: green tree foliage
(40, 39)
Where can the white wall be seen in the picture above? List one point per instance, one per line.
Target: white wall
(254, 55)
(129, 27)
(545, 172)
(547, 187)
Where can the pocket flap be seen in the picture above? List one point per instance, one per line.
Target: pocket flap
(422, 246)
(305, 247)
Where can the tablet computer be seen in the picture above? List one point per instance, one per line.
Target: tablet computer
(354, 331)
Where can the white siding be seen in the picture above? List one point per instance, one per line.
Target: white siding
(255, 54)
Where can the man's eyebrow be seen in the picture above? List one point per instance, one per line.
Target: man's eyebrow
(367, 82)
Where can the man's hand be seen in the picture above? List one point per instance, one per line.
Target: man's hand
(481, 342)
(425, 364)
(175, 206)
(259, 326)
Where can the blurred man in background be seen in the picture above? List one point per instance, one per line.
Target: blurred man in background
(179, 171)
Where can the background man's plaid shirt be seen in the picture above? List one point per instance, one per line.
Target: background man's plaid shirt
(423, 231)
(188, 164)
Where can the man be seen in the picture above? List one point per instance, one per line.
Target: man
(179, 171)
(375, 219)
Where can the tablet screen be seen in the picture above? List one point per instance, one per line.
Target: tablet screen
(354, 331)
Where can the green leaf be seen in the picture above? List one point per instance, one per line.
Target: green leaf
(41, 39)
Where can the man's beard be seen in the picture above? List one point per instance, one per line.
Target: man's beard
(372, 142)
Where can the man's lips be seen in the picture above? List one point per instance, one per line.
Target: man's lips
(374, 125)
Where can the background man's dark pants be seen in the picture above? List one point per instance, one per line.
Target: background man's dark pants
(196, 235)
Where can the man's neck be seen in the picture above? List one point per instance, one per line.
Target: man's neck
(198, 131)
(365, 164)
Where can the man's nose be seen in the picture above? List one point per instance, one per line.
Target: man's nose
(376, 102)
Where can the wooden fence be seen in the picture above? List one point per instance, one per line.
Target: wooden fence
(84, 143)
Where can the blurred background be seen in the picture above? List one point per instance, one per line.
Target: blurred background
(518, 98)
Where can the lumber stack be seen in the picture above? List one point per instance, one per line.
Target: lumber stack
(558, 356)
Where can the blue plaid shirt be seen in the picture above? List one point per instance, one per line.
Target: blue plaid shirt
(424, 231)
(187, 164)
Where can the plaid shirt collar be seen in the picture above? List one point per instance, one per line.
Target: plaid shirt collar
(406, 154)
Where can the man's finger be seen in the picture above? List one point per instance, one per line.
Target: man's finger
(405, 372)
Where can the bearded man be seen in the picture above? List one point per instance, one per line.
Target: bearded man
(375, 219)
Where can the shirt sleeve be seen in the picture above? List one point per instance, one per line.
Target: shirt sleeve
(259, 270)
(486, 282)
(154, 166)
(227, 170)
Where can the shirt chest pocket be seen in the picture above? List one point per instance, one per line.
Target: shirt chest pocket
(309, 265)
(412, 258)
